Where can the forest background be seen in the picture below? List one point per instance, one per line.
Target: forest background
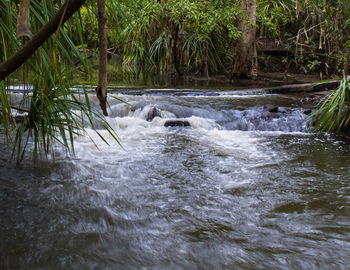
(224, 36)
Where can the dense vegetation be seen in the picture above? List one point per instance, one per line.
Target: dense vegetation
(201, 37)
(334, 112)
(186, 37)
(53, 112)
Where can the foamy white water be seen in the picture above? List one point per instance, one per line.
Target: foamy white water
(240, 187)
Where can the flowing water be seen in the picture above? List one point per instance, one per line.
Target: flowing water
(240, 188)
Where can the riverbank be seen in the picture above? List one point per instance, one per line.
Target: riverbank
(263, 78)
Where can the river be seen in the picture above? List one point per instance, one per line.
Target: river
(240, 188)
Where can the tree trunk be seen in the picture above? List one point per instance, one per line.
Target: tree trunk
(101, 89)
(347, 60)
(206, 56)
(9, 66)
(246, 60)
(176, 59)
(23, 29)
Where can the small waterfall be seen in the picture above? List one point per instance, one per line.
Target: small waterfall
(261, 118)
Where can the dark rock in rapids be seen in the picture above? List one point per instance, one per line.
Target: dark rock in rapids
(275, 109)
(271, 108)
(152, 113)
(307, 112)
(177, 123)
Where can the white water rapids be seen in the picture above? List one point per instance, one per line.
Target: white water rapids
(240, 188)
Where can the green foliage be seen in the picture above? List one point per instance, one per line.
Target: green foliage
(56, 113)
(199, 36)
(318, 34)
(150, 34)
(334, 112)
(272, 14)
(87, 18)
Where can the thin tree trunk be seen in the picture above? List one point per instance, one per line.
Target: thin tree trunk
(10, 65)
(246, 62)
(347, 60)
(347, 54)
(297, 8)
(206, 56)
(176, 59)
(101, 89)
(23, 28)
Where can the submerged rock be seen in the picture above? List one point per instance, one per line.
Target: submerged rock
(152, 113)
(275, 109)
(307, 112)
(177, 123)
(271, 108)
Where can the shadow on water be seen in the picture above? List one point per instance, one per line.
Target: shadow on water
(122, 75)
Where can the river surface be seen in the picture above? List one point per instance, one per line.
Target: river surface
(241, 188)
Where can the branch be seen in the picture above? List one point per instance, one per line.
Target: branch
(101, 89)
(19, 108)
(305, 31)
(10, 65)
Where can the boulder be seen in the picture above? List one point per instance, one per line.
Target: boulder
(177, 123)
(271, 108)
(152, 113)
(307, 112)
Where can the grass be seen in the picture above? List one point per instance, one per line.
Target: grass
(333, 114)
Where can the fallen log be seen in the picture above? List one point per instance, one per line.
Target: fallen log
(305, 87)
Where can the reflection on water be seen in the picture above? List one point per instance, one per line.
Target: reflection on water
(242, 188)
